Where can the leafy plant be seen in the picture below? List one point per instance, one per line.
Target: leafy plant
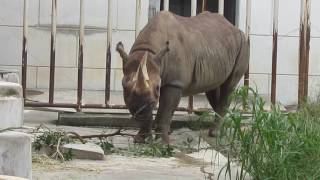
(154, 148)
(107, 146)
(274, 145)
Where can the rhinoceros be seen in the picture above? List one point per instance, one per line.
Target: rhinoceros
(175, 56)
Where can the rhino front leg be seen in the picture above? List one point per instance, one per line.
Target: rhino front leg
(169, 100)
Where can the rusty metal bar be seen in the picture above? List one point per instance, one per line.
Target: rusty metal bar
(204, 5)
(108, 55)
(247, 31)
(166, 5)
(221, 7)
(274, 51)
(25, 48)
(138, 14)
(80, 57)
(304, 51)
(92, 106)
(193, 13)
(53, 50)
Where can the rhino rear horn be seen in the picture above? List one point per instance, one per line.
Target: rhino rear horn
(161, 53)
(122, 52)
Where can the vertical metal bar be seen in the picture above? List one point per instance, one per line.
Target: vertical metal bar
(25, 48)
(138, 12)
(274, 51)
(304, 51)
(204, 5)
(193, 13)
(193, 7)
(53, 50)
(166, 5)
(80, 56)
(108, 55)
(248, 24)
(221, 7)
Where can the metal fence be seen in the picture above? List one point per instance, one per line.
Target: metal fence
(303, 53)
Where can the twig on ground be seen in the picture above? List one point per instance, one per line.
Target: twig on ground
(117, 133)
(58, 153)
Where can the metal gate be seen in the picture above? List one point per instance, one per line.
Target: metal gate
(303, 53)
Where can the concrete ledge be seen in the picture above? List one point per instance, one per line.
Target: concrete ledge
(9, 75)
(11, 105)
(120, 120)
(15, 154)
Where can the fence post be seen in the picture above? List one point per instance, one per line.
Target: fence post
(166, 5)
(24, 60)
(80, 56)
(274, 51)
(304, 51)
(221, 7)
(53, 50)
(138, 13)
(247, 32)
(108, 54)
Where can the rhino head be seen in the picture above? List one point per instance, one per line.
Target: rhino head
(141, 82)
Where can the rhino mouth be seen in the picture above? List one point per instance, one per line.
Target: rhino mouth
(144, 112)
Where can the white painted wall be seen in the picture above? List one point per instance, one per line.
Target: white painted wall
(123, 29)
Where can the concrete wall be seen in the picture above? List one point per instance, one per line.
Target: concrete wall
(123, 29)
(288, 47)
(123, 17)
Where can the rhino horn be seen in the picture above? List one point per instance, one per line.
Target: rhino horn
(141, 77)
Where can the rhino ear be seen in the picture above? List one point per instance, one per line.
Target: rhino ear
(161, 53)
(122, 53)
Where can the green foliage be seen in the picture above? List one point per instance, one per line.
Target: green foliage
(107, 146)
(152, 148)
(51, 139)
(274, 145)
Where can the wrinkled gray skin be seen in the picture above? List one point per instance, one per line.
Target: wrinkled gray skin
(175, 56)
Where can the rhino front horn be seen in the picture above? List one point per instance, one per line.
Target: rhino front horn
(141, 77)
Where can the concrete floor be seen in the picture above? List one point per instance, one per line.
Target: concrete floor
(205, 164)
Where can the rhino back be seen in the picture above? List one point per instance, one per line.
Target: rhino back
(203, 49)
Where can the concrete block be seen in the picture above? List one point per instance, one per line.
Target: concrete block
(10, 50)
(2, 177)
(289, 17)
(15, 154)
(261, 54)
(96, 13)
(11, 105)
(262, 82)
(118, 75)
(126, 14)
(39, 47)
(288, 55)
(287, 89)
(9, 76)
(127, 38)
(315, 13)
(65, 78)
(94, 79)
(261, 18)
(314, 61)
(84, 151)
(11, 13)
(95, 48)
(314, 87)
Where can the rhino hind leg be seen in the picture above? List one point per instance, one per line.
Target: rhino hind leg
(169, 100)
(219, 103)
(218, 98)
